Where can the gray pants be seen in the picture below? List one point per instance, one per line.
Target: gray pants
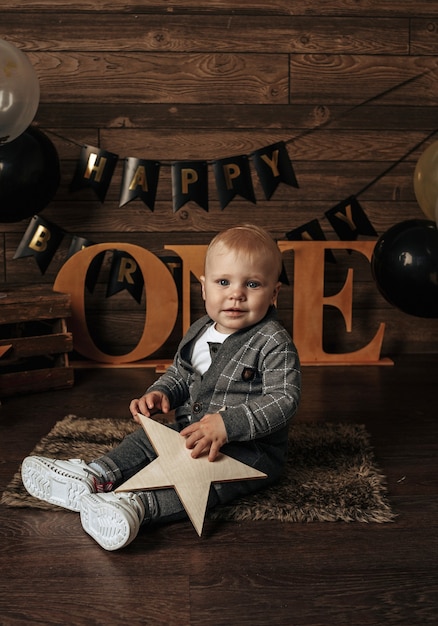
(163, 505)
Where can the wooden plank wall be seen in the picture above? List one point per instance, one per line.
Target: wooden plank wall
(351, 87)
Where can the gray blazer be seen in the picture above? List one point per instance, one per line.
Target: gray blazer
(254, 381)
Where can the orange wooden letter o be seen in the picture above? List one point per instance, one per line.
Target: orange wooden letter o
(161, 309)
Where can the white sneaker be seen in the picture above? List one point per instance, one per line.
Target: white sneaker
(112, 519)
(59, 482)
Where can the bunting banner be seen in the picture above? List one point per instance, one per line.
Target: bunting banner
(189, 183)
(139, 180)
(189, 179)
(174, 265)
(311, 231)
(41, 240)
(125, 274)
(283, 278)
(76, 245)
(233, 176)
(273, 166)
(94, 169)
(349, 220)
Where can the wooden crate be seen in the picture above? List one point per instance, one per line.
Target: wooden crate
(34, 341)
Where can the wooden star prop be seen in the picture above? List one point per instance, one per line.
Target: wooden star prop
(191, 478)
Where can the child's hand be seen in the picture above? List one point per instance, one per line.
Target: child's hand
(207, 435)
(153, 402)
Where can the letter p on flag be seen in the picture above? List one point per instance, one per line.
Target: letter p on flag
(190, 183)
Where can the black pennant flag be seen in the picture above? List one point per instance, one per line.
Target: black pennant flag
(139, 180)
(233, 176)
(174, 265)
(94, 169)
(273, 167)
(41, 240)
(349, 220)
(125, 274)
(76, 245)
(283, 278)
(311, 231)
(190, 182)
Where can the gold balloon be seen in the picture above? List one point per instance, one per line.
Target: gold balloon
(19, 92)
(426, 181)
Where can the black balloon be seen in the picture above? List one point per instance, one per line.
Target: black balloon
(29, 175)
(405, 267)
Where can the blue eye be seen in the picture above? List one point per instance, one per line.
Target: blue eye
(253, 284)
(223, 282)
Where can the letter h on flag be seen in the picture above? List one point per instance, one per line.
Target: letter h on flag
(94, 169)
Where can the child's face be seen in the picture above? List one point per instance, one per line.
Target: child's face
(237, 290)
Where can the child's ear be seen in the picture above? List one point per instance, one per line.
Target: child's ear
(275, 294)
(202, 281)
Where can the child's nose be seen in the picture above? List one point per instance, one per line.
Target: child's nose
(237, 293)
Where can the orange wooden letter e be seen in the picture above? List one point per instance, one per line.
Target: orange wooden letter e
(309, 300)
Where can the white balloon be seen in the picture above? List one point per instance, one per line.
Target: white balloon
(19, 92)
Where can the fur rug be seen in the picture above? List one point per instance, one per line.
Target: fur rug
(331, 474)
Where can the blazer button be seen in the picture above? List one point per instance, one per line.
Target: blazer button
(197, 407)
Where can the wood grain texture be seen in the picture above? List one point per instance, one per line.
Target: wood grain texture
(264, 7)
(162, 77)
(70, 119)
(424, 38)
(355, 78)
(226, 33)
(350, 86)
(308, 574)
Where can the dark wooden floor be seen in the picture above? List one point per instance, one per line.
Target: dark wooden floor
(255, 573)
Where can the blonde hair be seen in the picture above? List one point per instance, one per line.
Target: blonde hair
(250, 240)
